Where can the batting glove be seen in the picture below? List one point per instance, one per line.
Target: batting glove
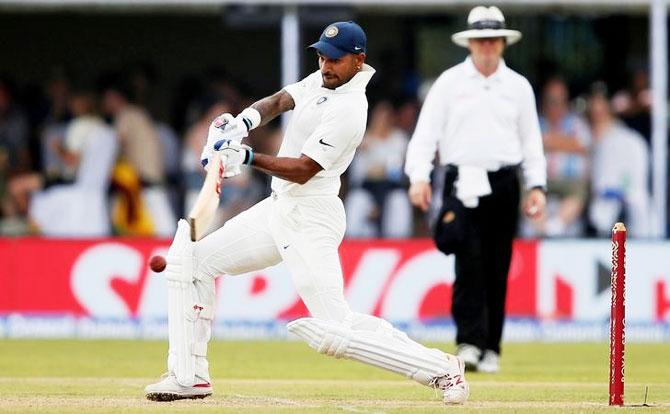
(234, 155)
(222, 127)
(228, 127)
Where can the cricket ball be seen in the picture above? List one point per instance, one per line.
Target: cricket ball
(157, 263)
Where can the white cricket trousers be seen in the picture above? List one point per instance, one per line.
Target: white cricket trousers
(304, 232)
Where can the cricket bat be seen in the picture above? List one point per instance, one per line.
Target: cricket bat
(205, 206)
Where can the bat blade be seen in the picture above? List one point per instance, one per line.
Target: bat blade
(205, 206)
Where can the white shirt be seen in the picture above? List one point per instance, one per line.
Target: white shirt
(476, 121)
(327, 126)
(78, 134)
(79, 130)
(613, 179)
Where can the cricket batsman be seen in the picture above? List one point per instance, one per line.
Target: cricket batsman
(302, 224)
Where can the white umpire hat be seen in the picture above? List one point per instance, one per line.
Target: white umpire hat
(486, 22)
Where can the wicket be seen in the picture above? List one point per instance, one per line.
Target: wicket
(618, 314)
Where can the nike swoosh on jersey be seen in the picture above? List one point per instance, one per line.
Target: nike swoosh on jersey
(322, 142)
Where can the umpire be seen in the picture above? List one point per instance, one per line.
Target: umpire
(481, 117)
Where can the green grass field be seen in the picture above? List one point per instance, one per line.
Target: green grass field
(49, 376)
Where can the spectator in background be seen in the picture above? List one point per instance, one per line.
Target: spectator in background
(59, 166)
(14, 159)
(79, 209)
(633, 105)
(52, 131)
(377, 201)
(78, 132)
(13, 132)
(142, 153)
(406, 116)
(566, 145)
(620, 172)
(171, 154)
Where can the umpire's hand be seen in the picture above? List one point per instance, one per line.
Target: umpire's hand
(420, 194)
(533, 205)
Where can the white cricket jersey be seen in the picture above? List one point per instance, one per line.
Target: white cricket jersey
(477, 121)
(327, 125)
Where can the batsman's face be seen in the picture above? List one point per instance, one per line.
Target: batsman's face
(337, 72)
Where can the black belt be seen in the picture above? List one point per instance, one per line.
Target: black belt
(504, 170)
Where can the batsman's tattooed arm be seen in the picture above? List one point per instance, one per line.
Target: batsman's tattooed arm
(273, 105)
(296, 170)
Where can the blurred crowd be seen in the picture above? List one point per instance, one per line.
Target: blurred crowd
(598, 164)
(99, 161)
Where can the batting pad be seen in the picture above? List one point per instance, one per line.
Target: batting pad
(375, 342)
(180, 258)
(189, 316)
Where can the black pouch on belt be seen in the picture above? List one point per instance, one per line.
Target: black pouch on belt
(450, 229)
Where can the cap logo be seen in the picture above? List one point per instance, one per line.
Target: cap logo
(331, 31)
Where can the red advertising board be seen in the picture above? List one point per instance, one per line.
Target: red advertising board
(79, 278)
(398, 280)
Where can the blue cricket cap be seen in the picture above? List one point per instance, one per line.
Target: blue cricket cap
(341, 38)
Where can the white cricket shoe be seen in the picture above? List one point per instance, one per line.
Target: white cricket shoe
(168, 389)
(454, 386)
(470, 354)
(490, 362)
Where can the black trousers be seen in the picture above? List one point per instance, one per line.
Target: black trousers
(480, 289)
